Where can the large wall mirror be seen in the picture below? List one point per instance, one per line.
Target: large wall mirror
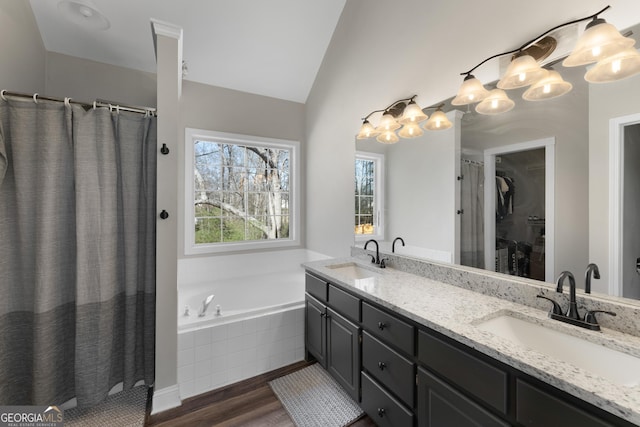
(546, 187)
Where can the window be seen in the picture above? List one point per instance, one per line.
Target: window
(241, 192)
(369, 196)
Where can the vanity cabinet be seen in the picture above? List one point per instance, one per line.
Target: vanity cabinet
(331, 338)
(405, 374)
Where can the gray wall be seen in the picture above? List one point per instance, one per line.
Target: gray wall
(85, 80)
(631, 242)
(606, 101)
(22, 66)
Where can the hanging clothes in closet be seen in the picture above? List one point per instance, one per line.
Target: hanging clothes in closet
(505, 192)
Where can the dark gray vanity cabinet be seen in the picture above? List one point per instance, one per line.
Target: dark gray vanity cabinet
(330, 337)
(440, 405)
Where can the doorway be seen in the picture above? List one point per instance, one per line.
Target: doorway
(624, 203)
(519, 209)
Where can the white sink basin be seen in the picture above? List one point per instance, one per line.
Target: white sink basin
(352, 271)
(618, 367)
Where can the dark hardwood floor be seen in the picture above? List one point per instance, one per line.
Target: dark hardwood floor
(247, 403)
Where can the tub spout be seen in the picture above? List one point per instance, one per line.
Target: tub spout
(205, 304)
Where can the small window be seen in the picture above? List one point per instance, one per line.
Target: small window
(369, 196)
(241, 192)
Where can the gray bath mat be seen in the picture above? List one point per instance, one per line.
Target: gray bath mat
(314, 399)
(123, 409)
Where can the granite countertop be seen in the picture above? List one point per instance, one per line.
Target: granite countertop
(455, 312)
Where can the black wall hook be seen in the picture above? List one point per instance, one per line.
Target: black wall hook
(164, 214)
(164, 150)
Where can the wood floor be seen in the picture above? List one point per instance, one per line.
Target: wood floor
(248, 403)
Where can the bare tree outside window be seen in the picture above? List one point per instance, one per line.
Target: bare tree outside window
(241, 192)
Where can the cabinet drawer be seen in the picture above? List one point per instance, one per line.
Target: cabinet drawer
(535, 407)
(344, 303)
(383, 408)
(388, 367)
(316, 287)
(473, 375)
(388, 328)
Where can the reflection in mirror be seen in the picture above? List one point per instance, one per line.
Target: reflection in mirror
(579, 123)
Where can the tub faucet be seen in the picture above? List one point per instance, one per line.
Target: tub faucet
(591, 268)
(393, 245)
(205, 304)
(377, 258)
(573, 305)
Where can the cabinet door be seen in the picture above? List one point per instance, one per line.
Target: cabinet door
(343, 353)
(439, 405)
(316, 330)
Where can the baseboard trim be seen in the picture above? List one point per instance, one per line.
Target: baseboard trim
(165, 398)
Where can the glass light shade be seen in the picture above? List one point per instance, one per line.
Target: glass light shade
(617, 67)
(438, 121)
(470, 91)
(388, 137)
(523, 71)
(412, 114)
(366, 130)
(410, 130)
(598, 41)
(497, 102)
(387, 123)
(550, 86)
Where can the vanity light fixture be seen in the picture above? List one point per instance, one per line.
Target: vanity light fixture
(616, 67)
(599, 40)
(438, 120)
(522, 71)
(550, 86)
(405, 113)
(470, 92)
(497, 102)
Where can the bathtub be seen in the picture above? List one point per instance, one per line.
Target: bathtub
(261, 322)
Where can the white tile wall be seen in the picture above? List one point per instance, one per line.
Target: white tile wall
(223, 354)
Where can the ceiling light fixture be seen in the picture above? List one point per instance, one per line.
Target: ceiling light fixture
(550, 86)
(438, 120)
(497, 102)
(84, 13)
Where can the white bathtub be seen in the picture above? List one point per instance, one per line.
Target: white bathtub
(240, 298)
(261, 325)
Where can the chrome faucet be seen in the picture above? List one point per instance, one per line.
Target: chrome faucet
(393, 245)
(572, 313)
(375, 260)
(205, 305)
(591, 268)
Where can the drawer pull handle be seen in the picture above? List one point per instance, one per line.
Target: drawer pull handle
(382, 325)
(381, 412)
(382, 365)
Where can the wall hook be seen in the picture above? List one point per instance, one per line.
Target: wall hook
(164, 150)
(164, 214)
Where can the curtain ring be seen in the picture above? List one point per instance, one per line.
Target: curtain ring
(67, 103)
(35, 98)
(94, 105)
(2, 92)
(118, 109)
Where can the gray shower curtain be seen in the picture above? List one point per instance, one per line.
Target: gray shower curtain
(472, 220)
(77, 252)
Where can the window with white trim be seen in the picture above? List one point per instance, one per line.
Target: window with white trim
(369, 196)
(241, 192)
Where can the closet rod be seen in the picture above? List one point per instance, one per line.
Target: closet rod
(96, 103)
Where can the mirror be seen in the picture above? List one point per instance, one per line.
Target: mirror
(579, 226)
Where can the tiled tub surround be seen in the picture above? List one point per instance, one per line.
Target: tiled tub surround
(261, 296)
(454, 311)
(227, 352)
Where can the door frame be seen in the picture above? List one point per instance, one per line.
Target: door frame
(616, 199)
(549, 200)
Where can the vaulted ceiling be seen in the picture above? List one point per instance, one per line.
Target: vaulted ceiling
(272, 48)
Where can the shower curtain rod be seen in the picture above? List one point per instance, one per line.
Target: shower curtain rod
(97, 103)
